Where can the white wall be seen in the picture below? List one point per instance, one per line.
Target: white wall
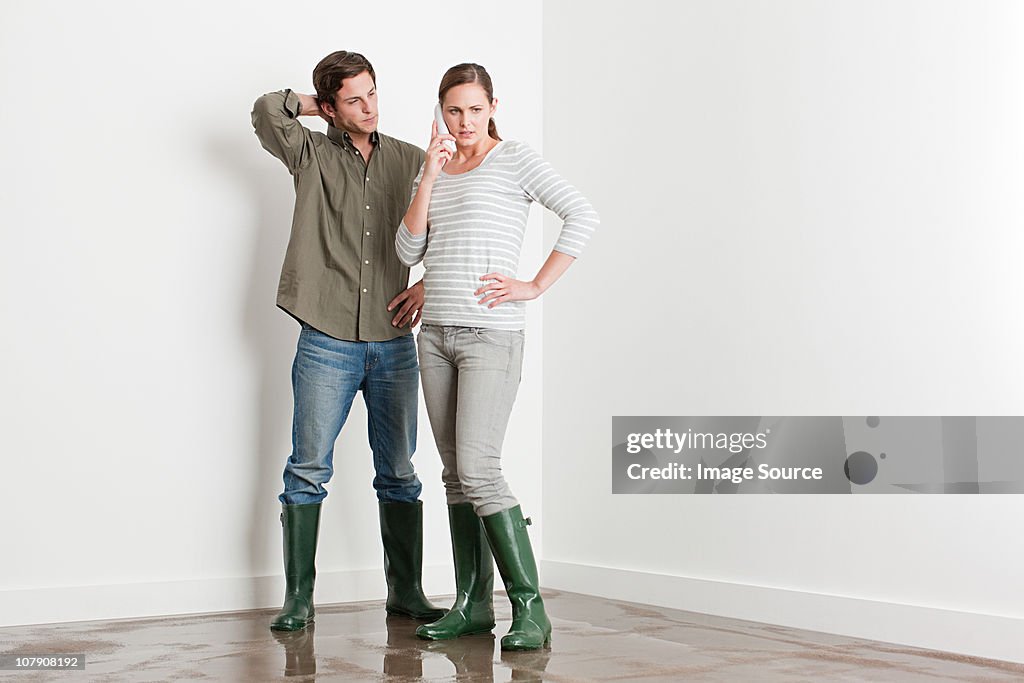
(808, 208)
(146, 401)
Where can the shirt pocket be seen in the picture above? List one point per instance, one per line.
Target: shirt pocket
(395, 206)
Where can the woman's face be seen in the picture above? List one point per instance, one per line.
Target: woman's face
(467, 112)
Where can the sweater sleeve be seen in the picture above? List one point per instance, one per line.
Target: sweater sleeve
(410, 247)
(544, 185)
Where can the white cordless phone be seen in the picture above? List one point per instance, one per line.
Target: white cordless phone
(442, 127)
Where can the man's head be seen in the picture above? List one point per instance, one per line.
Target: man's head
(346, 90)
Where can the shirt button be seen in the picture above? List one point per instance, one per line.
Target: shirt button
(366, 262)
(367, 233)
(367, 206)
(364, 291)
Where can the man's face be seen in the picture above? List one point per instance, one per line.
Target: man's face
(355, 107)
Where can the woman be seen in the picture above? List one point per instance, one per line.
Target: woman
(466, 223)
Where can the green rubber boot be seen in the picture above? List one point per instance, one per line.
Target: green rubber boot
(510, 543)
(401, 530)
(473, 611)
(301, 524)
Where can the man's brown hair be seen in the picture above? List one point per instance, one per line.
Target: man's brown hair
(335, 68)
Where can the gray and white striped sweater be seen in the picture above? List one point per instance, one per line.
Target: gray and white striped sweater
(475, 225)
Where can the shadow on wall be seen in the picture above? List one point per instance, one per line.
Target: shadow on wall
(271, 351)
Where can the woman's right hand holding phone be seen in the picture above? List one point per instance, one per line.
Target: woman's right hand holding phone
(438, 153)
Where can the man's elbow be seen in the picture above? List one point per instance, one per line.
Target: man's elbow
(261, 105)
(266, 107)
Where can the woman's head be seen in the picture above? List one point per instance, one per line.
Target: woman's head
(467, 101)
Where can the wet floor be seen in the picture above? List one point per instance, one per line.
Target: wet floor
(593, 640)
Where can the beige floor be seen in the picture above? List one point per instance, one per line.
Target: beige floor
(594, 640)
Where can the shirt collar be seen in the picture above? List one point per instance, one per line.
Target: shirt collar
(345, 140)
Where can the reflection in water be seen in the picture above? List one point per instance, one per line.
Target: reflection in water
(299, 658)
(526, 665)
(472, 656)
(402, 656)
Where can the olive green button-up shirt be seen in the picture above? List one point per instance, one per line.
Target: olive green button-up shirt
(340, 269)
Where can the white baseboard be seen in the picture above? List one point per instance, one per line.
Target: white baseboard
(968, 633)
(200, 596)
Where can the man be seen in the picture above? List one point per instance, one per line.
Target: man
(344, 284)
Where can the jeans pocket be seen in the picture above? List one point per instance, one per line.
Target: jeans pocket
(502, 338)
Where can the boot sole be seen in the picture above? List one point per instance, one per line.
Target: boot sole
(283, 627)
(402, 613)
(459, 635)
(546, 645)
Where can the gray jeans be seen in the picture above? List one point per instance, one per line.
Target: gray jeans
(470, 377)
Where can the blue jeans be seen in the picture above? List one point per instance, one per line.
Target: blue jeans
(326, 374)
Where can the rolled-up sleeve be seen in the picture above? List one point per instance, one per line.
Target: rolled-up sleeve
(410, 247)
(275, 120)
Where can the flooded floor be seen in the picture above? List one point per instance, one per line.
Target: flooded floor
(594, 639)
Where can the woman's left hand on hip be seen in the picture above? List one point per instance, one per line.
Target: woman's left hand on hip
(502, 288)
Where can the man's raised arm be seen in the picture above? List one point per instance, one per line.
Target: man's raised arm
(274, 118)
